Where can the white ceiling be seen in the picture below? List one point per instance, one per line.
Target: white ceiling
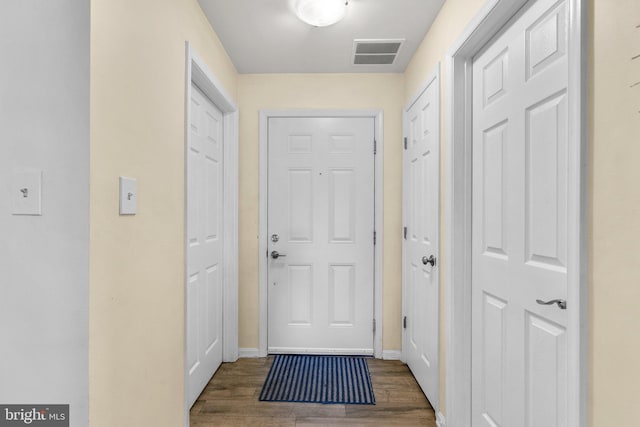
(265, 36)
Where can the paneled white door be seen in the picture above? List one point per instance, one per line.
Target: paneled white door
(421, 205)
(321, 223)
(519, 222)
(204, 242)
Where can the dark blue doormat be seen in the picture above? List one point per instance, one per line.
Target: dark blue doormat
(319, 379)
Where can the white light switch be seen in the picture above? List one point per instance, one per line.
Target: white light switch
(128, 196)
(26, 192)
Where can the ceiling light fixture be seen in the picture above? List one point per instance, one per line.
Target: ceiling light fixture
(320, 13)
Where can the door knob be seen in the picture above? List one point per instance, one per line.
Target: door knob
(276, 254)
(431, 260)
(561, 303)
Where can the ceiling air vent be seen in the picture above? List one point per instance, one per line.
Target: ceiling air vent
(376, 51)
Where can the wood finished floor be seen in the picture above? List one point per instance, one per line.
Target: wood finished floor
(231, 399)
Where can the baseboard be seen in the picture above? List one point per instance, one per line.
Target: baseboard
(248, 353)
(391, 354)
(440, 421)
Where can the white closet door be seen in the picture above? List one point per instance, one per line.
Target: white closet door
(204, 242)
(519, 240)
(421, 205)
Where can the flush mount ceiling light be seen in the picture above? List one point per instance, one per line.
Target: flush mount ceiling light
(320, 13)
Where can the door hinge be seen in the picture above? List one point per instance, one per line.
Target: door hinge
(375, 238)
(375, 147)
(404, 322)
(374, 326)
(405, 142)
(405, 233)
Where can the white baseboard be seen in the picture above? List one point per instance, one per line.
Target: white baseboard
(440, 421)
(322, 351)
(391, 355)
(248, 353)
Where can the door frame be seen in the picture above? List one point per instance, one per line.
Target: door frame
(198, 72)
(432, 78)
(265, 115)
(493, 15)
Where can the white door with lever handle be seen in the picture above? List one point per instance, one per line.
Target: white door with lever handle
(519, 224)
(321, 228)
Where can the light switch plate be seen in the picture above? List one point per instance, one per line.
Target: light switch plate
(26, 192)
(128, 196)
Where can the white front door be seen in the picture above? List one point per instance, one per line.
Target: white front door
(421, 205)
(204, 242)
(519, 222)
(321, 222)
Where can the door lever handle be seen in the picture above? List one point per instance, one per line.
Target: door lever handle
(561, 303)
(276, 254)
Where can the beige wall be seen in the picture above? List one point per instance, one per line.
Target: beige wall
(137, 129)
(614, 213)
(614, 199)
(446, 28)
(326, 91)
(136, 263)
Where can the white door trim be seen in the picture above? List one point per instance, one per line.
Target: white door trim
(491, 17)
(199, 73)
(377, 115)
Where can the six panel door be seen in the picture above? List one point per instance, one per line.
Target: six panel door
(519, 238)
(204, 243)
(421, 205)
(321, 223)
